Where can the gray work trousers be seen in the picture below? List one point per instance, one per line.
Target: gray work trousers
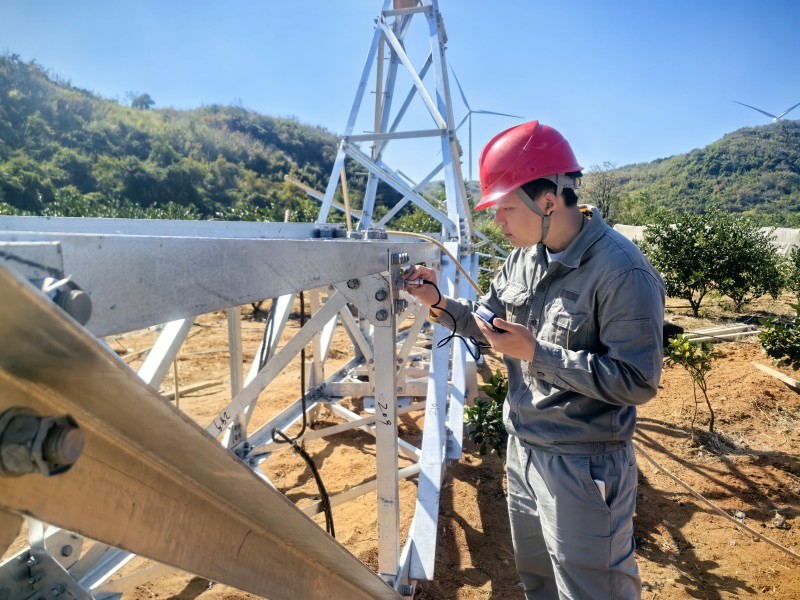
(570, 542)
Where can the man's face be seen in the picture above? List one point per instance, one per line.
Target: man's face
(521, 226)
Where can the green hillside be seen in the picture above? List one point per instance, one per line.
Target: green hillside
(754, 171)
(67, 151)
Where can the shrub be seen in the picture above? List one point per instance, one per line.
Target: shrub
(781, 339)
(696, 359)
(486, 417)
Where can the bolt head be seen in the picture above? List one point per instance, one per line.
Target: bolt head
(381, 295)
(382, 315)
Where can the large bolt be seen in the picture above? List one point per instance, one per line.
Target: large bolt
(77, 304)
(382, 315)
(63, 444)
(57, 590)
(400, 305)
(30, 443)
(353, 284)
(381, 295)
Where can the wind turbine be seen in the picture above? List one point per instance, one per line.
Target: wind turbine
(775, 119)
(468, 117)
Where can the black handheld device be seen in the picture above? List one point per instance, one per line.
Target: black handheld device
(487, 316)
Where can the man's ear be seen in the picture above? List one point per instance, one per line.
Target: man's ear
(549, 203)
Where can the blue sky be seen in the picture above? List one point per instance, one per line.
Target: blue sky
(625, 81)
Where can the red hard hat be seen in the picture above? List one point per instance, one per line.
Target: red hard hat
(521, 154)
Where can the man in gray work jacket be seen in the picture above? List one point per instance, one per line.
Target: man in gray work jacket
(579, 316)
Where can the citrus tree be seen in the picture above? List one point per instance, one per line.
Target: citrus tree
(696, 359)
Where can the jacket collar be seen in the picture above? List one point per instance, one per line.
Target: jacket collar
(593, 230)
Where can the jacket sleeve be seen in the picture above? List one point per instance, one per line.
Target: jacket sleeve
(627, 369)
(460, 319)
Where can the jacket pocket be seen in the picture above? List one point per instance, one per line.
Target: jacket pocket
(569, 329)
(515, 299)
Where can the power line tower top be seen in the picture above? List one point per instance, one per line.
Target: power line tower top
(397, 46)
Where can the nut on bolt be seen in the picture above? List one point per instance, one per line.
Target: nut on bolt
(382, 315)
(399, 258)
(381, 295)
(353, 283)
(30, 443)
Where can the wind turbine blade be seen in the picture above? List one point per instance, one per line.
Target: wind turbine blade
(763, 112)
(466, 116)
(489, 112)
(458, 83)
(788, 110)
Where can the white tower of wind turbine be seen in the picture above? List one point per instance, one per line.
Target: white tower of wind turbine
(775, 118)
(468, 117)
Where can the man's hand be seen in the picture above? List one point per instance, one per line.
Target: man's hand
(423, 292)
(513, 340)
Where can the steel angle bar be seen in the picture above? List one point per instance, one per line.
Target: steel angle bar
(358, 491)
(434, 440)
(159, 227)
(292, 348)
(235, 345)
(396, 135)
(278, 315)
(460, 387)
(347, 426)
(200, 511)
(261, 438)
(411, 93)
(457, 207)
(405, 200)
(413, 332)
(319, 195)
(189, 276)
(405, 449)
(382, 171)
(333, 183)
(164, 351)
(355, 334)
(362, 84)
(342, 389)
(386, 444)
(412, 72)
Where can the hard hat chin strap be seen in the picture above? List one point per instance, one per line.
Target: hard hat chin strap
(528, 201)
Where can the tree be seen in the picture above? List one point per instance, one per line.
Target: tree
(697, 254)
(780, 339)
(681, 248)
(749, 266)
(638, 208)
(603, 189)
(793, 276)
(696, 359)
(140, 101)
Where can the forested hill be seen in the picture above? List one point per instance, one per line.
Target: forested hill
(755, 171)
(67, 151)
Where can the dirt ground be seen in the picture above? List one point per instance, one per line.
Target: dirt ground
(684, 548)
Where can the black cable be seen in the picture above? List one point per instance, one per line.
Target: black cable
(476, 353)
(324, 499)
(266, 342)
(284, 439)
